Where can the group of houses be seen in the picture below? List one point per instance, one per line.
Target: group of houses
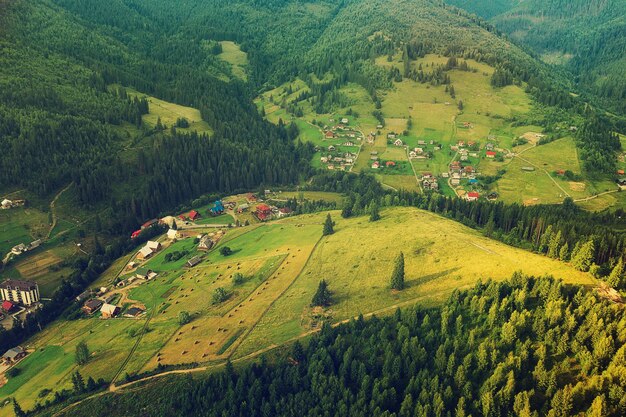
(9, 204)
(429, 182)
(148, 250)
(108, 310)
(335, 159)
(23, 248)
(265, 212)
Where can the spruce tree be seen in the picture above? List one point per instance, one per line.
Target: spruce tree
(322, 295)
(397, 278)
(553, 246)
(615, 278)
(17, 409)
(329, 226)
(564, 252)
(374, 212)
(583, 258)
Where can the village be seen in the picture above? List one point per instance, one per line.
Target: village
(344, 145)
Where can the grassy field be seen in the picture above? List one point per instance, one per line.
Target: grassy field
(232, 53)
(311, 196)
(222, 219)
(170, 112)
(21, 225)
(282, 263)
(440, 255)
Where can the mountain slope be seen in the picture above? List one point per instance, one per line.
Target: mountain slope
(586, 37)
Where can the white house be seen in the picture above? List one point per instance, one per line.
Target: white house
(172, 234)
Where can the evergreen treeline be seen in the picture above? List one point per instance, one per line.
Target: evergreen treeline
(536, 228)
(498, 349)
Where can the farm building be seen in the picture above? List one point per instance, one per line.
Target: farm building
(263, 212)
(172, 234)
(6, 204)
(390, 164)
(133, 312)
(34, 244)
(109, 311)
(135, 234)
(19, 249)
(144, 273)
(218, 208)
(149, 249)
(20, 292)
(329, 135)
(83, 296)
(455, 181)
(193, 215)
(149, 223)
(398, 142)
(193, 261)
(242, 208)
(473, 196)
(13, 355)
(344, 121)
(375, 165)
(205, 243)
(92, 306)
(491, 154)
(284, 212)
(528, 169)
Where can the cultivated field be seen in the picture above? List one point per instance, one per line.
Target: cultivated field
(282, 263)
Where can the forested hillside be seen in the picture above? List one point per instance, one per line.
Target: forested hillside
(498, 349)
(586, 37)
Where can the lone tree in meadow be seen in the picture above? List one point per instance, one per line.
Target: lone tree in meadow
(374, 212)
(397, 278)
(322, 295)
(226, 251)
(82, 353)
(184, 317)
(329, 226)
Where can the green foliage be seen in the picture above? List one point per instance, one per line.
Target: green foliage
(374, 212)
(329, 226)
(322, 297)
(13, 372)
(397, 276)
(582, 256)
(238, 278)
(82, 353)
(78, 382)
(220, 295)
(616, 278)
(184, 317)
(225, 251)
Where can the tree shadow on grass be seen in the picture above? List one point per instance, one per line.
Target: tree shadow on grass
(428, 278)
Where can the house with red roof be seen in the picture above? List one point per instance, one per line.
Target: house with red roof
(491, 154)
(263, 212)
(473, 196)
(7, 306)
(193, 215)
(149, 223)
(329, 135)
(135, 234)
(390, 164)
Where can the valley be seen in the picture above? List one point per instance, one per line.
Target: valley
(312, 208)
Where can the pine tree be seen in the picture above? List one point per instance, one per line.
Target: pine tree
(615, 278)
(82, 353)
(17, 409)
(322, 295)
(397, 277)
(78, 382)
(329, 226)
(584, 256)
(564, 252)
(374, 212)
(553, 246)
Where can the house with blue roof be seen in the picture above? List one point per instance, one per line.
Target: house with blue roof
(218, 208)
